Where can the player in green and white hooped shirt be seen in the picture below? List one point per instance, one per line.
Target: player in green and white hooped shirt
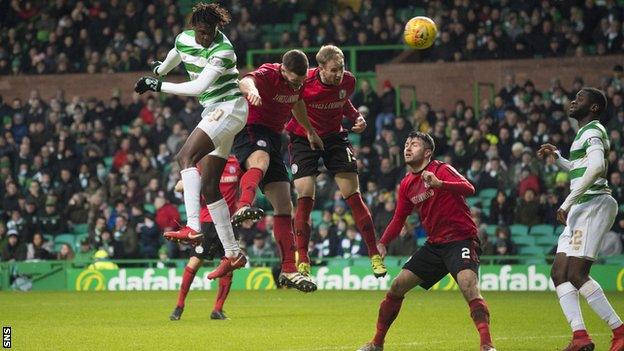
(209, 58)
(588, 213)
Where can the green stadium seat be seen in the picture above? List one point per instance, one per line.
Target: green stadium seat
(531, 250)
(524, 241)
(149, 208)
(545, 240)
(542, 229)
(80, 228)
(317, 217)
(48, 237)
(473, 201)
(518, 230)
(65, 239)
(488, 194)
(79, 238)
(486, 211)
(355, 139)
(491, 229)
(108, 162)
(298, 17)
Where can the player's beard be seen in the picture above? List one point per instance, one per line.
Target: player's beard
(578, 113)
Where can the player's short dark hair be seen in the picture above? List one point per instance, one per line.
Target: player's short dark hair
(296, 61)
(596, 96)
(426, 138)
(210, 14)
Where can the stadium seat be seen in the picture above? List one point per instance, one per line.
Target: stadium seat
(149, 208)
(524, 240)
(546, 240)
(473, 201)
(108, 162)
(80, 228)
(491, 229)
(79, 238)
(518, 229)
(542, 229)
(355, 138)
(48, 237)
(486, 211)
(488, 194)
(317, 218)
(65, 239)
(531, 250)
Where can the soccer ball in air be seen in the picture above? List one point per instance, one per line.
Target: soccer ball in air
(420, 32)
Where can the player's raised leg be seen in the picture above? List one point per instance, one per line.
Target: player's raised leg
(468, 282)
(390, 307)
(349, 186)
(187, 279)
(305, 203)
(278, 193)
(256, 164)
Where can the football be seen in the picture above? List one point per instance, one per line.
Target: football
(420, 32)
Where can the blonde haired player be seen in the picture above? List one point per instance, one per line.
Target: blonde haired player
(209, 58)
(588, 213)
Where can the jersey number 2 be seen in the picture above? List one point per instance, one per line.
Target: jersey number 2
(465, 253)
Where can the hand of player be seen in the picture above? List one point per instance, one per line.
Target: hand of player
(253, 96)
(179, 187)
(316, 143)
(547, 150)
(147, 84)
(154, 66)
(562, 216)
(360, 125)
(430, 180)
(382, 250)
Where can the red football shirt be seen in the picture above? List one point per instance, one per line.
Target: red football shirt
(229, 188)
(326, 104)
(443, 211)
(277, 96)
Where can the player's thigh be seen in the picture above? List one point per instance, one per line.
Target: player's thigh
(338, 155)
(303, 160)
(223, 121)
(461, 255)
(278, 194)
(427, 264)
(195, 148)
(404, 282)
(559, 269)
(588, 224)
(305, 187)
(194, 263)
(348, 183)
(258, 159)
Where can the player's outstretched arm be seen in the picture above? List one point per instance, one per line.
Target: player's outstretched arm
(301, 115)
(171, 61)
(352, 114)
(206, 78)
(595, 168)
(247, 86)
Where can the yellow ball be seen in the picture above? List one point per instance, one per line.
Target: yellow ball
(420, 32)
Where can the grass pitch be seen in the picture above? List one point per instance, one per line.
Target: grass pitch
(284, 320)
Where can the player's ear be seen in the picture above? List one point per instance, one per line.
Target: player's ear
(428, 153)
(594, 108)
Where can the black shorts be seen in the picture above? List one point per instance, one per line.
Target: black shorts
(433, 262)
(338, 156)
(257, 137)
(211, 247)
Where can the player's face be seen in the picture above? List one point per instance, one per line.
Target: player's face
(415, 151)
(294, 81)
(332, 72)
(204, 34)
(580, 106)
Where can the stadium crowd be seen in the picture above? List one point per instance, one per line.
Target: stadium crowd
(100, 174)
(63, 36)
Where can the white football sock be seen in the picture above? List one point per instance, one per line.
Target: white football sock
(220, 214)
(192, 188)
(569, 301)
(596, 298)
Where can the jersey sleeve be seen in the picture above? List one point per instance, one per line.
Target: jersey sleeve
(593, 140)
(261, 76)
(350, 111)
(403, 209)
(454, 182)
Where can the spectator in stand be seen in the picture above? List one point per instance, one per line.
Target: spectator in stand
(501, 209)
(529, 210)
(39, 249)
(13, 250)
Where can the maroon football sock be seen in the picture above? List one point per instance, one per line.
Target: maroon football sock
(225, 283)
(187, 280)
(388, 311)
(364, 222)
(248, 186)
(302, 227)
(481, 318)
(285, 239)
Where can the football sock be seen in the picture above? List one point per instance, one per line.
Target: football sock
(597, 300)
(221, 218)
(569, 301)
(248, 186)
(619, 331)
(302, 227)
(225, 283)
(284, 237)
(388, 311)
(187, 280)
(192, 188)
(481, 317)
(364, 222)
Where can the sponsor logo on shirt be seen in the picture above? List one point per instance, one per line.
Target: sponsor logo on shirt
(229, 179)
(328, 105)
(286, 99)
(422, 197)
(342, 93)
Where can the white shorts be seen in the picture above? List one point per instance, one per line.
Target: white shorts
(587, 225)
(232, 118)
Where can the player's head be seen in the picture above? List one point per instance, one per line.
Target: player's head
(588, 102)
(294, 68)
(204, 20)
(419, 148)
(331, 64)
